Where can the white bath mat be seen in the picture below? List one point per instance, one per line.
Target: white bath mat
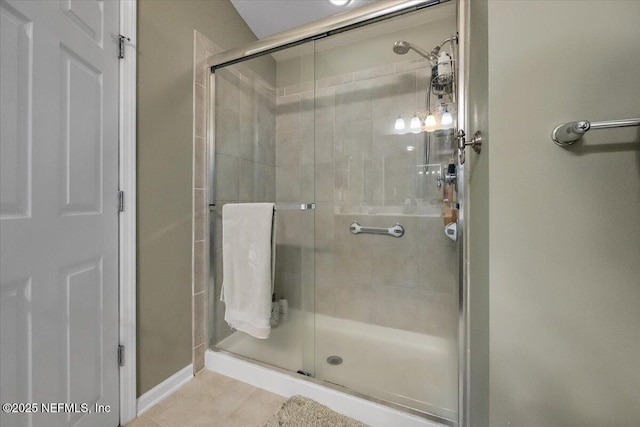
(299, 411)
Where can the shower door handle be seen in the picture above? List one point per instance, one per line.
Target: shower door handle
(475, 143)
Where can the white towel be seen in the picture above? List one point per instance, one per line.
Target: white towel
(248, 255)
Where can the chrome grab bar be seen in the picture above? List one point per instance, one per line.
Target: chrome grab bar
(568, 133)
(396, 231)
(280, 207)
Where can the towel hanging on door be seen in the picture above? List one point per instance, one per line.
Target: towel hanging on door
(248, 261)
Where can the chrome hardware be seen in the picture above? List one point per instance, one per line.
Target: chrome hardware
(352, 18)
(334, 360)
(568, 133)
(396, 231)
(475, 143)
(447, 178)
(120, 355)
(122, 40)
(120, 201)
(279, 207)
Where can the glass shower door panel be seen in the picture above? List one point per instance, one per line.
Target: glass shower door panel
(295, 184)
(243, 157)
(386, 307)
(258, 158)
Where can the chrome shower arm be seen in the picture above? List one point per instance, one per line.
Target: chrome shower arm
(448, 40)
(429, 56)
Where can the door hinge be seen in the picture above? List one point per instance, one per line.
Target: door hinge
(120, 201)
(122, 40)
(120, 355)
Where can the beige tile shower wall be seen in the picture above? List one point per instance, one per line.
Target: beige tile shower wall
(245, 159)
(362, 171)
(370, 47)
(407, 283)
(203, 49)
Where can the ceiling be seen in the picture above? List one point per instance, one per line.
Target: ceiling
(267, 17)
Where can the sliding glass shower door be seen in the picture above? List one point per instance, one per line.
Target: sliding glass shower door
(386, 305)
(263, 151)
(351, 136)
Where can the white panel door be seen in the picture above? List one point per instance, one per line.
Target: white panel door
(58, 215)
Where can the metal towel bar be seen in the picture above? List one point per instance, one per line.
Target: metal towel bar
(568, 133)
(395, 231)
(280, 207)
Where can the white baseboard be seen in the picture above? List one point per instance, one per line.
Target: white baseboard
(368, 412)
(164, 389)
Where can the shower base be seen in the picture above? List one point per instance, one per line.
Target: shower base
(413, 370)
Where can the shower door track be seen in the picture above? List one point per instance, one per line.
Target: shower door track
(322, 28)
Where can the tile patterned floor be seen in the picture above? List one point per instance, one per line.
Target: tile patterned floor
(212, 400)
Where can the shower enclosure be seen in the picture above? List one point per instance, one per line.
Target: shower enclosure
(353, 129)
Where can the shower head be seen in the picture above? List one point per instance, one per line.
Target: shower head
(401, 47)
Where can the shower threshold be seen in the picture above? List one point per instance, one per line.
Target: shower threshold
(391, 373)
(371, 411)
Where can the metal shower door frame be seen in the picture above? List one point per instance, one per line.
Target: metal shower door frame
(342, 22)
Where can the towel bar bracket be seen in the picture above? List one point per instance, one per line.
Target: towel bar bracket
(566, 134)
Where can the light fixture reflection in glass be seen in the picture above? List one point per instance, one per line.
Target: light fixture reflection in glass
(447, 119)
(410, 148)
(415, 123)
(399, 123)
(430, 123)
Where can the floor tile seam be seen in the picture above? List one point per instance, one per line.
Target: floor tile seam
(248, 400)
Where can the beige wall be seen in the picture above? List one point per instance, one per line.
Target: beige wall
(564, 228)
(165, 157)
